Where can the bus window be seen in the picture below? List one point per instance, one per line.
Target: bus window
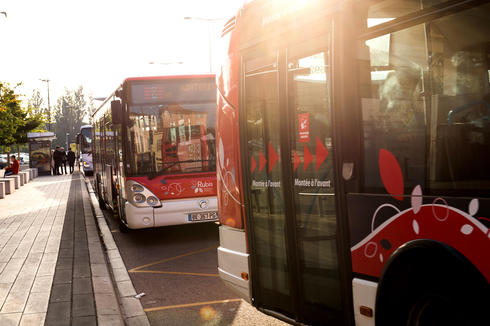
(460, 117)
(393, 107)
(424, 97)
(377, 12)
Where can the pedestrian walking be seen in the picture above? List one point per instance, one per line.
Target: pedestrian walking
(70, 156)
(51, 163)
(57, 160)
(63, 160)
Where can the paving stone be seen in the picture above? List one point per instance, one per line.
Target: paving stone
(16, 301)
(85, 321)
(63, 276)
(10, 319)
(132, 307)
(99, 270)
(42, 284)
(4, 291)
(63, 253)
(81, 270)
(59, 314)
(120, 274)
(35, 319)
(110, 320)
(60, 293)
(11, 270)
(64, 263)
(82, 285)
(106, 304)
(102, 284)
(81, 259)
(66, 244)
(83, 305)
(126, 289)
(37, 303)
(97, 258)
(137, 321)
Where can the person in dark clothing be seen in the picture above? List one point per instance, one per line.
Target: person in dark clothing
(63, 160)
(71, 159)
(57, 160)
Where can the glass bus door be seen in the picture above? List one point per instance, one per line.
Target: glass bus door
(313, 192)
(266, 204)
(291, 205)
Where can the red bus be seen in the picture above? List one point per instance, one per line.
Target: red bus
(353, 153)
(154, 151)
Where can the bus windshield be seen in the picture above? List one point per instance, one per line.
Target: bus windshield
(86, 140)
(173, 138)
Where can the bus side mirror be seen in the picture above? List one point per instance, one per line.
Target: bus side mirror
(116, 112)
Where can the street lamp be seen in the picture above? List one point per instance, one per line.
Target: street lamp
(208, 21)
(49, 106)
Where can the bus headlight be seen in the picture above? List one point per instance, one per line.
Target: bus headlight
(136, 188)
(153, 201)
(139, 198)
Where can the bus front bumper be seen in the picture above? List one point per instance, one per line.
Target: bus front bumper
(172, 212)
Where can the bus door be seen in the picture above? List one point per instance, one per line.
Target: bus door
(291, 199)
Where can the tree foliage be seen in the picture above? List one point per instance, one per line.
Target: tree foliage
(9, 114)
(69, 114)
(36, 102)
(35, 107)
(15, 121)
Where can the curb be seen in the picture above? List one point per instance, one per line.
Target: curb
(132, 308)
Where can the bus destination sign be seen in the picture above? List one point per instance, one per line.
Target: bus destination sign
(185, 90)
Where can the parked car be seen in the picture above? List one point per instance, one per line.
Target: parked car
(24, 158)
(3, 160)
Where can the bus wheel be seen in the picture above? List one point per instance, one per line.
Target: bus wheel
(431, 288)
(102, 204)
(123, 228)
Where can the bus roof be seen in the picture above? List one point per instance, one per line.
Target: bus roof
(169, 77)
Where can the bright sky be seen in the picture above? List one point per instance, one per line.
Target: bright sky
(98, 43)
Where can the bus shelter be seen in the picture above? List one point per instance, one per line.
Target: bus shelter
(40, 151)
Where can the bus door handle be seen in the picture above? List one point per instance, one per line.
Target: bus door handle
(347, 170)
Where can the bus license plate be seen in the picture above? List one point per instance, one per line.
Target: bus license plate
(206, 216)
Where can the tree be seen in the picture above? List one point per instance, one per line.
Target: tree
(36, 101)
(69, 114)
(9, 112)
(15, 121)
(91, 108)
(35, 106)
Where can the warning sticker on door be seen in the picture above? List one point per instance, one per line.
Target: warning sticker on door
(304, 127)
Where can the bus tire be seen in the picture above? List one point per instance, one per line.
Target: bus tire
(431, 284)
(123, 228)
(102, 204)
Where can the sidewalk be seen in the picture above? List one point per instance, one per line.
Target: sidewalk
(53, 270)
